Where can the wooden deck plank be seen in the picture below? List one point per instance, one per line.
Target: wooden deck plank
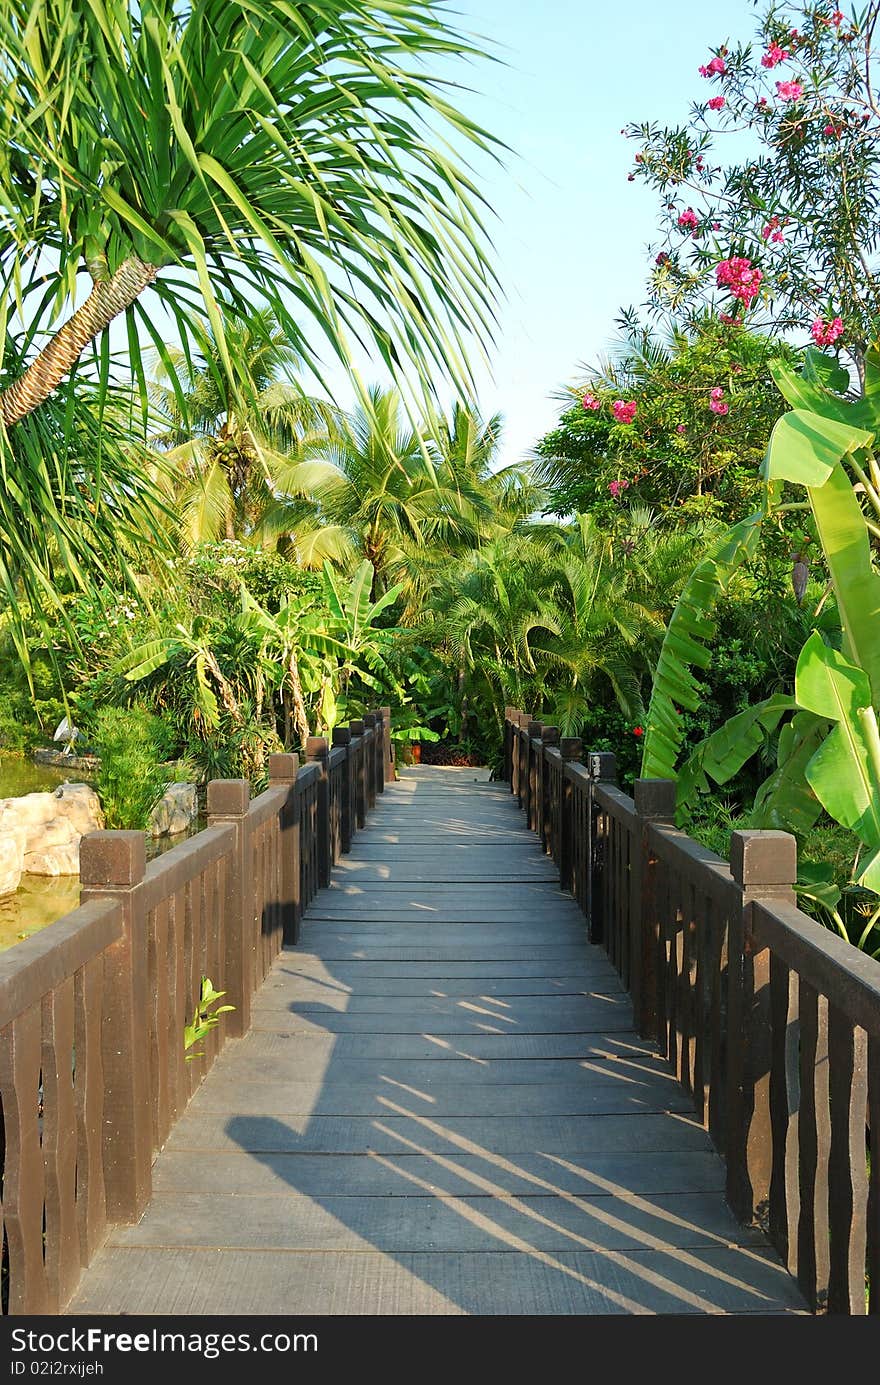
(442, 1107)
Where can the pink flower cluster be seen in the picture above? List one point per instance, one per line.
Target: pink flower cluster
(623, 412)
(771, 232)
(789, 91)
(826, 333)
(688, 220)
(716, 103)
(741, 277)
(716, 401)
(716, 68)
(617, 487)
(774, 55)
(833, 129)
(590, 401)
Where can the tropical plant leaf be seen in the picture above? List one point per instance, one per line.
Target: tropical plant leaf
(722, 754)
(141, 662)
(785, 802)
(844, 772)
(686, 647)
(809, 451)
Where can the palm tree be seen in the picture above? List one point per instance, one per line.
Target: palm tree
(225, 442)
(292, 157)
(375, 490)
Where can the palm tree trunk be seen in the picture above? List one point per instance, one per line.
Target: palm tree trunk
(108, 298)
(299, 706)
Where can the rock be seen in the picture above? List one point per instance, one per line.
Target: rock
(81, 806)
(50, 826)
(176, 810)
(62, 859)
(11, 860)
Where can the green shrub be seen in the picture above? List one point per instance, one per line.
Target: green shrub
(132, 777)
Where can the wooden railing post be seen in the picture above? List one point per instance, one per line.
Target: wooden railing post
(533, 772)
(507, 749)
(342, 738)
(112, 865)
(522, 758)
(602, 766)
(359, 816)
(283, 770)
(571, 749)
(378, 749)
(654, 802)
(387, 762)
(318, 751)
(764, 867)
(549, 736)
(229, 801)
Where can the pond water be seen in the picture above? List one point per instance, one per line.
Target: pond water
(42, 899)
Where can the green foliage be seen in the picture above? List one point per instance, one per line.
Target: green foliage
(206, 1017)
(677, 454)
(133, 746)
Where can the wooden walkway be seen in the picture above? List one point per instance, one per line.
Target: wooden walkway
(441, 1108)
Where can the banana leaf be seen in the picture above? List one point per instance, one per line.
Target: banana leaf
(785, 802)
(686, 647)
(807, 449)
(844, 773)
(722, 754)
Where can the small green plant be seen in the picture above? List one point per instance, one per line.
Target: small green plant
(132, 777)
(205, 1018)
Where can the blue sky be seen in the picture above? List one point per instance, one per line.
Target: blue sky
(571, 232)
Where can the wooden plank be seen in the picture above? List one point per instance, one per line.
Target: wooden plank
(847, 1177)
(23, 1177)
(89, 1090)
(392, 1134)
(61, 1252)
(517, 1283)
(396, 1225)
(814, 1140)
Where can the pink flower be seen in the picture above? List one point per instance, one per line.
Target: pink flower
(774, 55)
(717, 67)
(590, 401)
(688, 219)
(789, 91)
(716, 225)
(832, 129)
(682, 428)
(716, 393)
(826, 333)
(662, 258)
(837, 18)
(772, 232)
(718, 406)
(617, 487)
(741, 277)
(777, 238)
(623, 412)
(715, 103)
(762, 100)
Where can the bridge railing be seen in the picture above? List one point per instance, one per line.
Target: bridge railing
(93, 1071)
(770, 1021)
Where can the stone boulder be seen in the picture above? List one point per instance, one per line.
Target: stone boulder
(50, 827)
(81, 806)
(11, 860)
(175, 812)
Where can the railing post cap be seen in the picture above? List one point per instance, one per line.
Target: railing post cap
(572, 747)
(763, 858)
(602, 766)
(369, 719)
(356, 727)
(283, 767)
(655, 798)
(228, 798)
(317, 748)
(112, 858)
(341, 735)
(534, 729)
(523, 719)
(550, 734)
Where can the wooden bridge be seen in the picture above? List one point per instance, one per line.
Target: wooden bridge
(443, 1097)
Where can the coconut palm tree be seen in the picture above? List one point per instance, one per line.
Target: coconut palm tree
(155, 156)
(224, 442)
(375, 491)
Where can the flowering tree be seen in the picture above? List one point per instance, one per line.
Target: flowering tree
(679, 426)
(791, 231)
